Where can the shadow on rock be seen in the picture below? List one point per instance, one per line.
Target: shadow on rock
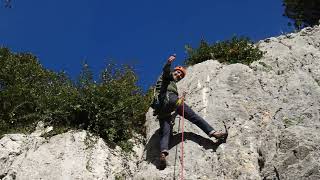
(206, 143)
(153, 145)
(153, 148)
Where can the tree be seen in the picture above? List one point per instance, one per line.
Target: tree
(113, 108)
(303, 12)
(234, 50)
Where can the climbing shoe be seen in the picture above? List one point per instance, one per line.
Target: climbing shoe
(163, 162)
(219, 135)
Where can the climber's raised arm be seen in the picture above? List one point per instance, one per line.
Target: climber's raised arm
(166, 69)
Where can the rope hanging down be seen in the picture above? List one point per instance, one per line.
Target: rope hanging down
(180, 102)
(182, 136)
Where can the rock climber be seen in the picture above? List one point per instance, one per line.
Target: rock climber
(166, 102)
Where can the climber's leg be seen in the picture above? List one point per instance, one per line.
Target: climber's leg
(195, 119)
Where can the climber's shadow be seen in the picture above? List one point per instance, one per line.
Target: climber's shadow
(153, 145)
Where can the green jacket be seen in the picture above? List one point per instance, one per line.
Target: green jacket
(165, 83)
(164, 86)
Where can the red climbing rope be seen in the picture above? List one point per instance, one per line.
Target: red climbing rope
(182, 137)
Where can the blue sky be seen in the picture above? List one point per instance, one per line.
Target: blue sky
(64, 33)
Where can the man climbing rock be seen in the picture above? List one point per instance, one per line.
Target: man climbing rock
(166, 101)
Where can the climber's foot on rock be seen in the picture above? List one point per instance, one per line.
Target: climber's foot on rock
(163, 161)
(219, 135)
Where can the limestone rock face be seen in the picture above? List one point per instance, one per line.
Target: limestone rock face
(72, 155)
(271, 109)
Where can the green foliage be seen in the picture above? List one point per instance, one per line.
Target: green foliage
(236, 50)
(114, 108)
(302, 12)
(292, 121)
(120, 176)
(30, 93)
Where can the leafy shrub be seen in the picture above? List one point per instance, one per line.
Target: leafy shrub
(30, 93)
(236, 50)
(113, 108)
(303, 13)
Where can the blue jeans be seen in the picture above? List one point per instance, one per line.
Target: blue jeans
(165, 119)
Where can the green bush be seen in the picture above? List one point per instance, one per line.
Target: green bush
(114, 107)
(303, 13)
(30, 93)
(236, 50)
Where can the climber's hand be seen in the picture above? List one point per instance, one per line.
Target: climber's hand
(171, 58)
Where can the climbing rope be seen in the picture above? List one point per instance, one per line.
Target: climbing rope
(180, 102)
(175, 157)
(182, 137)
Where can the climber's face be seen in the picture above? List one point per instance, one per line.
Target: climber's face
(177, 75)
